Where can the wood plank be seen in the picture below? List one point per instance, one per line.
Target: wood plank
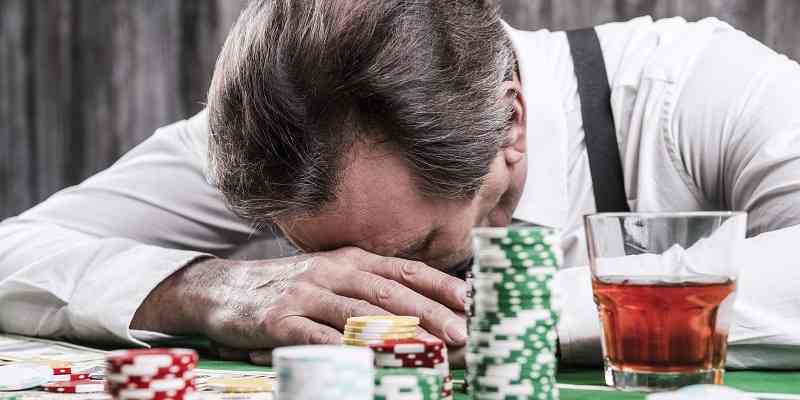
(527, 14)
(51, 80)
(747, 15)
(94, 146)
(782, 33)
(581, 13)
(16, 172)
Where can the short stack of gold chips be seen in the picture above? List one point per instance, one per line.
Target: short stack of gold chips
(411, 354)
(365, 331)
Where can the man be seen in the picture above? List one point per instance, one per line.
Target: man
(373, 136)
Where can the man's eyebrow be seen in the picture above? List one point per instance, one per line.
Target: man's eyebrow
(420, 245)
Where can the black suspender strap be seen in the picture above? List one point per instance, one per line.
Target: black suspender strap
(598, 124)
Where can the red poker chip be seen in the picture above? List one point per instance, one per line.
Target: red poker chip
(414, 345)
(70, 377)
(187, 375)
(84, 386)
(149, 371)
(62, 371)
(157, 356)
(419, 364)
(134, 384)
(426, 357)
(115, 388)
(144, 394)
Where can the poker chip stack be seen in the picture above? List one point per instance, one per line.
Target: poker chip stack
(396, 344)
(407, 384)
(364, 331)
(512, 344)
(58, 379)
(151, 374)
(324, 373)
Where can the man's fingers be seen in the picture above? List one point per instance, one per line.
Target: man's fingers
(261, 357)
(334, 310)
(423, 279)
(297, 330)
(394, 297)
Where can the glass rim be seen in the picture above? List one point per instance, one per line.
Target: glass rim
(666, 214)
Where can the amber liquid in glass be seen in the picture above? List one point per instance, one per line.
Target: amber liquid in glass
(662, 326)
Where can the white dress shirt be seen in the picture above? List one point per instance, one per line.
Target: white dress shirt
(706, 119)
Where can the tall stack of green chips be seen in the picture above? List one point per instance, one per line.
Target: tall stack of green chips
(512, 345)
(407, 384)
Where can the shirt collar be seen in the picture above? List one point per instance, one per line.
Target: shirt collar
(544, 198)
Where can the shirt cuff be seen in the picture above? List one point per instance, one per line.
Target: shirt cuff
(579, 325)
(109, 298)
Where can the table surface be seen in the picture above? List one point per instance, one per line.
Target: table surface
(588, 381)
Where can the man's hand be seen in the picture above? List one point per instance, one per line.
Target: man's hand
(306, 299)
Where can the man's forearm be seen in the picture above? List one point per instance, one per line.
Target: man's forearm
(176, 306)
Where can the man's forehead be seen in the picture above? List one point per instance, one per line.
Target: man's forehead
(323, 233)
(377, 208)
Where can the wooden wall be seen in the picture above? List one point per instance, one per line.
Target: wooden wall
(83, 81)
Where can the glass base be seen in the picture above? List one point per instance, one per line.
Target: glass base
(659, 381)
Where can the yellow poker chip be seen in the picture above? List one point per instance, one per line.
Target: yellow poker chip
(240, 385)
(360, 343)
(373, 330)
(358, 336)
(383, 320)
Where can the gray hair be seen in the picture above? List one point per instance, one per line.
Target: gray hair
(299, 81)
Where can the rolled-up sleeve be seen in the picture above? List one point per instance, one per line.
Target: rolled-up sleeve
(79, 265)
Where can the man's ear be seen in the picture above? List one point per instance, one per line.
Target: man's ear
(516, 143)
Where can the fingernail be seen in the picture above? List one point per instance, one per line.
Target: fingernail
(456, 330)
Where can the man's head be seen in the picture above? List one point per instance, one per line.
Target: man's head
(392, 125)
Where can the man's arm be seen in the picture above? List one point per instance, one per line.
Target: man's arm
(132, 248)
(79, 264)
(737, 128)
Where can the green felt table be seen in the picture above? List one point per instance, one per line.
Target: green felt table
(785, 382)
(585, 383)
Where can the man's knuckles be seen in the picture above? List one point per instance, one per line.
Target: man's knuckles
(387, 293)
(320, 336)
(409, 270)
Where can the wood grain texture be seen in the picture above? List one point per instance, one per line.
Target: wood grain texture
(83, 81)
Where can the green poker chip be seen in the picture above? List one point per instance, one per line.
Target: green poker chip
(512, 317)
(424, 381)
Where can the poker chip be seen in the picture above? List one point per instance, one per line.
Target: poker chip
(324, 373)
(62, 371)
(402, 352)
(149, 394)
(383, 320)
(150, 374)
(157, 357)
(70, 377)
(381, 329)
(512, 313)
(407, 383)
(378, 336)
(83, 386)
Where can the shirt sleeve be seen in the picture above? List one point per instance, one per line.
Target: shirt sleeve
(78, 265)
(737, 129)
